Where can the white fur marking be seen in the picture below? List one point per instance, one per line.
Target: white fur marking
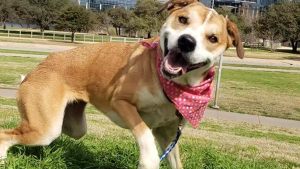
(207, 17)
(149, 158)
(147, 99)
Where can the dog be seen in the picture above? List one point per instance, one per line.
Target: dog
(123, 81)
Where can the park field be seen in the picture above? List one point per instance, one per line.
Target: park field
(265, 54)
(274, 94)
(216, 144)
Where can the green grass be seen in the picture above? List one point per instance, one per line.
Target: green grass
(24, 52)
(262, 54)
(273, 94)
(262, 66)
(217, 144)
(278, 81)
(11, 69)
(240, 131)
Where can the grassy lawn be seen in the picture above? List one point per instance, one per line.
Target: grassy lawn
(261, 66)
(24, 52)
(261, 54)
(274, 94)
(11, 69)
(216, 144)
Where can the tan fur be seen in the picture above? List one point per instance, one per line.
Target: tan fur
(119, 79)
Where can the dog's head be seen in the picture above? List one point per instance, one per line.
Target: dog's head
(192, 39)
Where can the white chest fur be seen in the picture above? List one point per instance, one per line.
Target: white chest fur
(154, 109)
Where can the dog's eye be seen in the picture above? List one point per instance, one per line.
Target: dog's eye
(182, 20)
(213, 39)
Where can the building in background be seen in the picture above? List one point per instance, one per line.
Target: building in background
(249, 8)
(207, 3)
(162, 1)
(97, 5)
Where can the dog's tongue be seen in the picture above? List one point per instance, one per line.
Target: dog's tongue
(175, 62)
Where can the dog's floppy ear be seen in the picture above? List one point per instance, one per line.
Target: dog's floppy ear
(234, 38)
(173, 5)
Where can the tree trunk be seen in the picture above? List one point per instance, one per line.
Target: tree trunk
(4, 25)
(42, 28)
(119, 31)
(294, 46)
(272, 43)
(73, 36)
(149, 34)
(116, 30)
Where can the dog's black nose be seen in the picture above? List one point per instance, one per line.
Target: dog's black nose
(186, 43)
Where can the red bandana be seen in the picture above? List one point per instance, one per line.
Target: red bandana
(190, 101)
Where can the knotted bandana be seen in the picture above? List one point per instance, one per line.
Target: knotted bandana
(190, 101)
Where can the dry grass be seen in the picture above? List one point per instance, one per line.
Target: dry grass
(11, 69)
(264, 55)
(252, 100)
(226, 137)
(273, 94)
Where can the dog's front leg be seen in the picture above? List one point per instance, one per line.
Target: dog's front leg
(165, 136)
(148, 153)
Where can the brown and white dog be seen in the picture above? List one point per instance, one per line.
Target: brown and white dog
(121, 80)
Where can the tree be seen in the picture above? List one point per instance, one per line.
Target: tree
(280, 22)
(45, 12)
(75, 19)
(21, 9)
(239, 20)
(288, 21)
(119, 18)
(135, 24)
(7, 11)
(266, 28)
(146, 10)
(103, 21)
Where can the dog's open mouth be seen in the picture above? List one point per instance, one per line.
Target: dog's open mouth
(175, 65)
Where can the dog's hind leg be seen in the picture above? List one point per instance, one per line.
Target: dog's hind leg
(74, 124)
(42, 113)
(165, 136)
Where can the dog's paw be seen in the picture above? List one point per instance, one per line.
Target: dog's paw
(149, 163)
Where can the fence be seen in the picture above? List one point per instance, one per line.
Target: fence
(79, 37)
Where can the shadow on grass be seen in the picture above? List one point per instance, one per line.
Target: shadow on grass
(295, 58)
(120, 152)
(287, 51)
(67, 153)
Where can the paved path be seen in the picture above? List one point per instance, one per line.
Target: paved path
(8, 93)
(216, 114)
(34, 47)
(22, 55)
